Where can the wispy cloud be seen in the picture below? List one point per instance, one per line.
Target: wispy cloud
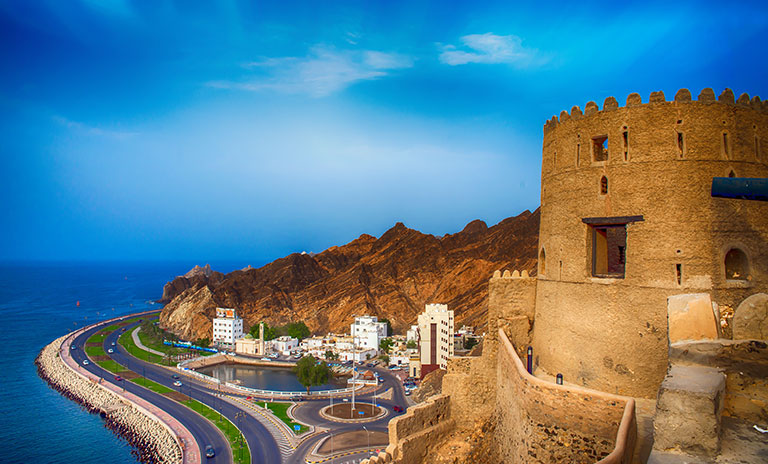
(85, 129)
(490, 48)
(322, 72)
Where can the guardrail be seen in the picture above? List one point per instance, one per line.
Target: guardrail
(257, 392)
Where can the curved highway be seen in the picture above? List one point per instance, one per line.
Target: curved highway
(263, 446)
(204, 432)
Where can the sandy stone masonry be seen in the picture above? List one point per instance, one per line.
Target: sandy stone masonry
(647, 168)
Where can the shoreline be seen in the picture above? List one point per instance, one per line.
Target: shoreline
(150, 441)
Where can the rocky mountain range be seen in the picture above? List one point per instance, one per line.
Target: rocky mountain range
(392, 276)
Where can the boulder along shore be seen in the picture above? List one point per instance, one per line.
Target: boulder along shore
(152, 442)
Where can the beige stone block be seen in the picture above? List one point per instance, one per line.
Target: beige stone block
(688, 411)
(750, 320)
(691, 317)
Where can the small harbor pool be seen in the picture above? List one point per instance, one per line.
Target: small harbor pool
(264, 377)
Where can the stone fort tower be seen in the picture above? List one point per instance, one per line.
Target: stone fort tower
(627, 220)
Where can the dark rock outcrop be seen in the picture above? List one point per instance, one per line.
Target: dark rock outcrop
(393, 276)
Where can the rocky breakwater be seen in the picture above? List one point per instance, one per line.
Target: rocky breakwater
(152, 442)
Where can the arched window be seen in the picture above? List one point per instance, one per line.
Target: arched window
(542, 261)
(736, 265)
(732, 173)
(604, 186)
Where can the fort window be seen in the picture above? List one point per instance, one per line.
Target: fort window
(736, 265)
(542, 262)
(626, 145)
(726, 147)
(732, 173)
(604, 186)
(600, 148)
(680, 144)
(757, 148)
(679, 270)
(609, 244)
(554, 160)
(578, 153)
(609, 250)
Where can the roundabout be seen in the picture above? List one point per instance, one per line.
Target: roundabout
(344, 412)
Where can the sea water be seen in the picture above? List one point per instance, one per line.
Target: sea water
(38, 303)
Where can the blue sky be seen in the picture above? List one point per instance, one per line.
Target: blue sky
(203, 131)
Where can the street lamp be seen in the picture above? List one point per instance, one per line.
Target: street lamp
(239, 416)
(368, 433)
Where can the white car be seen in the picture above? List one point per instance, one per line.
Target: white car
(86, 362)
(266, 359)
(110, 351)
(177, 384)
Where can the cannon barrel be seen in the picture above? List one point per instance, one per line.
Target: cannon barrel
(742, 188)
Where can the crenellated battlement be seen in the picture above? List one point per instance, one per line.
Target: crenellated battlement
(514, 275)
(707, 96)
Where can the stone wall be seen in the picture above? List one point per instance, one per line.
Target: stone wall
(538, 421)
(412, 434)
(610, 333)
(471, 381)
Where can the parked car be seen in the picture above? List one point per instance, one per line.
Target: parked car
(209, 452)
(381, 379)
(397, 409)
(297, 398)
(407, 393)
(266, 359)
(177, 384)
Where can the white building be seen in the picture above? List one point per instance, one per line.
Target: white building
(436, 337)
(412, 334)
(400, 359)
(358, 356)
(285, 344)
(227, 326)
(368, 331)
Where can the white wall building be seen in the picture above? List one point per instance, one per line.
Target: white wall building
(412, 334)
(285, 344)
(368, 331)
(227, 326)
(358, 356)
(436, 337)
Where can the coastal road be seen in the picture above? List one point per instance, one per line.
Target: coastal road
(204, 432)
(264, 448)
(262, 445)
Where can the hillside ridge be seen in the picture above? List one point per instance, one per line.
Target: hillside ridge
(392, 276)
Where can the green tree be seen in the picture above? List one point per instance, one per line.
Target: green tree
(386, 344)
(310, 373)
(270, 333)
(384, 358)
(203, 342)
(297, 330)
(469, 342)
(331, 355)
(411, 344)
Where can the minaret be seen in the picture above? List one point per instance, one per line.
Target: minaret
(261, 339)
